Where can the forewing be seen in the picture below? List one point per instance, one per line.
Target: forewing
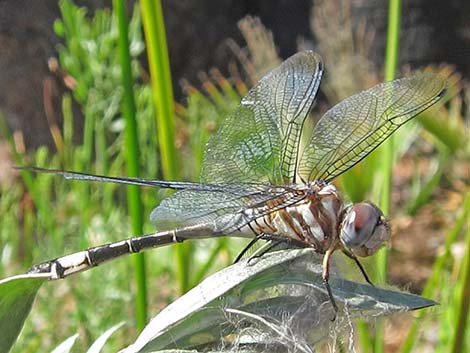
(259, 141)
(357, 125)
(255, 147)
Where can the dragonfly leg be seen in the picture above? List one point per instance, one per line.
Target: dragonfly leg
(356, 260)
(246, 248)
(276, 240)
(326, 276)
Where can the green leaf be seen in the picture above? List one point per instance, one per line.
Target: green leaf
(101, 341)
(16, 298)
(67, 345)
(279, 299)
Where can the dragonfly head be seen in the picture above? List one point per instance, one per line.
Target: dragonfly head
(364, 229)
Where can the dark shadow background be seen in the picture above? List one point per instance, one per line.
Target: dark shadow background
(197, 31)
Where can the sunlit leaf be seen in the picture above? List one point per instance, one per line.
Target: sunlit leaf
(67, 345)
(16, 298)
(101, 341)
(276, 300)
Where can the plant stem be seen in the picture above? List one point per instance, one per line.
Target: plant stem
(393, 39)
(154, 29)
(463, 301)
(391, 61)
(132, 159)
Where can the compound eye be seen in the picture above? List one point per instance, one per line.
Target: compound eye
(364, 229)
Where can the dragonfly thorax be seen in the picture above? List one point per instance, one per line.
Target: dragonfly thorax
(315, 215)
(313, 218)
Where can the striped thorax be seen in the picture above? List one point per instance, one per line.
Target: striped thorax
(320, 219)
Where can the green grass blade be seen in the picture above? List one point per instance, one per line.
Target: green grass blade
(391, 61)
(132, 159)
(67, 130)
(88, 132)
(101, 145)
(462, 304)
(199, 276)
(452, 135)
(434, 280)
(157, 52)
(426, 190)
(393, 39)
(161, 82)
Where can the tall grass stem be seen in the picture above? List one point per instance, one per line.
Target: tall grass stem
(162, 90)
(391, 62)
(462, 304)
(131, 146)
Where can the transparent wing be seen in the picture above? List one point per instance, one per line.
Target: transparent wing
(357, 125)
(190, 207)
(196, 203)
(255, 147)
(259, 141)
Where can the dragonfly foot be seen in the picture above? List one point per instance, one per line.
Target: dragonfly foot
(332, 299)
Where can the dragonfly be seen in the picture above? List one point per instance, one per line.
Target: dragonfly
(265, 177)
